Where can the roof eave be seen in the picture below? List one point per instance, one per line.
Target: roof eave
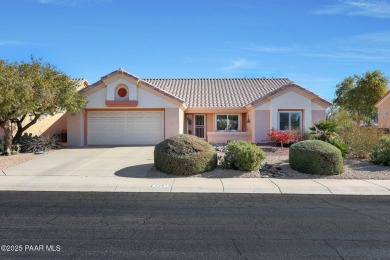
(270, 95)
(382, 99)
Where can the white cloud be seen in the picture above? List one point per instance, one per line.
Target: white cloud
(7, 43)
(267, 49)
(72, 3)
(377, 38)
(369, 8)
(239, 64)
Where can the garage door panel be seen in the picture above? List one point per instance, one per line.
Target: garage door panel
(125, 127)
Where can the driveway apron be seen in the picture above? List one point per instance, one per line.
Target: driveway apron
(91, 161)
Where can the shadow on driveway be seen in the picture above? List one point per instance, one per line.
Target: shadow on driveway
(136, 171)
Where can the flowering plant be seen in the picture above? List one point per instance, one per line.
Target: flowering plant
(285, 137)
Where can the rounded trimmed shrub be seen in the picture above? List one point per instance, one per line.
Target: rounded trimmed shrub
(381, 153)
(185, 155)
(243, 156)
(316, 157)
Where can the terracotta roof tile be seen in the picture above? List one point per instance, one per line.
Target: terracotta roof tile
(219, 93)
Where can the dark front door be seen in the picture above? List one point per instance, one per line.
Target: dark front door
(200, 126)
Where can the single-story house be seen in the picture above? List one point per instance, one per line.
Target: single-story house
(123, 109)
(383, 106)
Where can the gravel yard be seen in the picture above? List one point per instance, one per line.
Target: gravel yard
(277, 166)
(9, 161)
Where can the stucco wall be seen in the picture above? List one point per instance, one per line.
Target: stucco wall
(269, 116)
(97, 99)
(261, 125)
(251, 124)
(181, 121)
(173, 122)
(384, 114)
(292, 101)
(145, 98)
(49, 126)
(111, 89)
(222, 137)
(75, 129)
(317, 115)
(210, 123)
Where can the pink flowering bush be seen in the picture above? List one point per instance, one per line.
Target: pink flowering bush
(287, 137)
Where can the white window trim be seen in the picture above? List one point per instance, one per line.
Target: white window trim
(289, 118)
(239, 122)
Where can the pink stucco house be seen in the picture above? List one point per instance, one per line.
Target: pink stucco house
(383, 106)
(123, 109)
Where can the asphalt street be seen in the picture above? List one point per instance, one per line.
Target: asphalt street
(192, 226)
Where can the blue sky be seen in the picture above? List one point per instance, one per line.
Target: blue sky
(314, 43)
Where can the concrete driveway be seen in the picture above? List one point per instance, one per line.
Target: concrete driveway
(92, 161)
(124, 169)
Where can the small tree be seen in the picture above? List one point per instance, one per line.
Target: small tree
(15, 96)
(358, 94)
(33, 88)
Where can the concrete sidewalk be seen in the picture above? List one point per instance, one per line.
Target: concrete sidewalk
(223, 185)
(124, 169)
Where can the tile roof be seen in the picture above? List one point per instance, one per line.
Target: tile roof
(219, 93)
(81, 83)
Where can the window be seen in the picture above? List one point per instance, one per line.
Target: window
(227, 122)
(289, 120)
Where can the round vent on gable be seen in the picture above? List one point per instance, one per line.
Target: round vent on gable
(122, 92)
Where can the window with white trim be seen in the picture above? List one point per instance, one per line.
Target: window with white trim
(290, 120)
(227, 123)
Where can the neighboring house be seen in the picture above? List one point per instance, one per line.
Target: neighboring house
(50, 125)
(383, 106)
(123, 109)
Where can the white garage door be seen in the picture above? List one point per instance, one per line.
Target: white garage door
(125, 127)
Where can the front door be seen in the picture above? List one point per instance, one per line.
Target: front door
(200, 126)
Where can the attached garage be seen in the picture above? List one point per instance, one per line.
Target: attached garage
(125, 127)
(122, 109)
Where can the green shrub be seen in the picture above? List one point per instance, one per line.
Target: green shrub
(381, 153)
(31, 144)
(4, 151)
(324, 125)
(333, 139)
(2, 146)
(316, 157)
(185, 155)
(243, 156)
(361, 139)
(343, 147)
(9, 151)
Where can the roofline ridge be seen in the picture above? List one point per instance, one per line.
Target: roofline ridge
(211, 78)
